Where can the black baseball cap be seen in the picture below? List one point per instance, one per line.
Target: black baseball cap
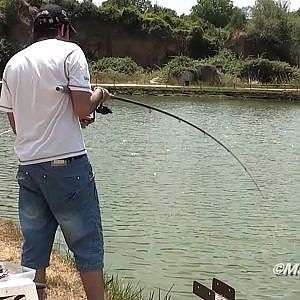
(50, 16)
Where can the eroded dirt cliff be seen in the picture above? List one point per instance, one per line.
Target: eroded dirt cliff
(100, 39)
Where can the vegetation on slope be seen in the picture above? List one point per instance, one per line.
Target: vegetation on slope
(205, 32)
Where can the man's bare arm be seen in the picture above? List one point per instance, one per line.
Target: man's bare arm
(12, 123)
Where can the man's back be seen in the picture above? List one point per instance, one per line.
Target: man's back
(46, 125)
(57, 185)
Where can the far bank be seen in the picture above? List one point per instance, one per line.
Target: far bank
(279, 94)
(283, 94)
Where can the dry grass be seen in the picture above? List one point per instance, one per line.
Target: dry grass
(63, 280)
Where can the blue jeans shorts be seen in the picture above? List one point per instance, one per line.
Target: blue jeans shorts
(63, 193)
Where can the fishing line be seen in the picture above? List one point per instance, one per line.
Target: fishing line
(104, 110)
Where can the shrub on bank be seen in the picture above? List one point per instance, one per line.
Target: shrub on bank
(231, 70)
(267, 71)
(234, 69)
(227, 63)
(116, 69)
(177, 65)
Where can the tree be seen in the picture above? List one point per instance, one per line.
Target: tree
(238, 19)
(163, 10)
(216, 12)
(7, 50)
(247, 10)
(295, 49)
(199, 46)
(142, 5)
(271, 23)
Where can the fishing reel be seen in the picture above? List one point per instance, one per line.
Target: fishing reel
(103, 110)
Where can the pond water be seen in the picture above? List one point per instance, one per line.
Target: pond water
(177, 207)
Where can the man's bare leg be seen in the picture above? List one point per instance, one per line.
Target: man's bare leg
(40, 277)
(93, 284)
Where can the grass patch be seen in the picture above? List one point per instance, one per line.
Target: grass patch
(63, 280)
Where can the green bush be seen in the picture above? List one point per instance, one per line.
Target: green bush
(110, 14)
(178, 65)
(154, 24)
(267, 71)
(85, 9)
(296, 79)
(115, 68)
(119, 64)
(130, 16)
(11, 11)
(7, 50)
(226, 63)
(199, 45)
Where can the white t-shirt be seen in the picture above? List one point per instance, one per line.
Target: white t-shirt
(46, 125)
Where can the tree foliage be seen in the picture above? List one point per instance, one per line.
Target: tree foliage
(202, 34)
(271, 23)
(226, 62)
(124, 65)
(7, 50)
(216, 12)
(295, 36)
(199, 45)
(178, 65)
(238, 19)
(141, 5)
(115, 69)
(266, 71)
(11, 10)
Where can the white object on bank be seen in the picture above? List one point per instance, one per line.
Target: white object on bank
(17, 280)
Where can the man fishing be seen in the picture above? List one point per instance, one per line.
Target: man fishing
(56, 181)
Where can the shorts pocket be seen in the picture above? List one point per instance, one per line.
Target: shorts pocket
(22, 176)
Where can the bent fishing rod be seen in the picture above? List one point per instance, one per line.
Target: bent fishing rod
(196, 127)
(105, 110)
(6, 131)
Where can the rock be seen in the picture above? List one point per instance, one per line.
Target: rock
(203, 73)
(187, 77)
(207, 73)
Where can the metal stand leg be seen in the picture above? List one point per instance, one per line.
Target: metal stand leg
(220, 291)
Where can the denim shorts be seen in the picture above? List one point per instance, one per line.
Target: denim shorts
(60, 193)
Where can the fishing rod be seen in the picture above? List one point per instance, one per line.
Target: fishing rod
(6, 131)
(196, 127)
(105, 110)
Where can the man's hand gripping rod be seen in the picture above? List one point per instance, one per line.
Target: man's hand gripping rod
(101, 109)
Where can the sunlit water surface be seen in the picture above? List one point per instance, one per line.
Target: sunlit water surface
(177, 207)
